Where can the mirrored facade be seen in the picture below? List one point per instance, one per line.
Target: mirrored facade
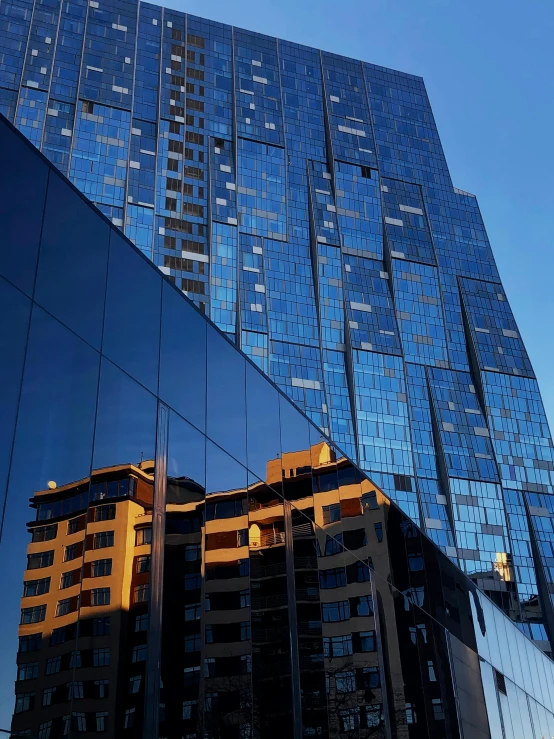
(185, 553)
(302, 200)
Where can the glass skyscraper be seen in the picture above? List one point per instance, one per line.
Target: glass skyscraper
(184, 553)
(302, 200)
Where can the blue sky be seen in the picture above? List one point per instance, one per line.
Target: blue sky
(489, 70)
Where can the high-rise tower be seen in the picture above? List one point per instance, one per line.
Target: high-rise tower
(303, 201)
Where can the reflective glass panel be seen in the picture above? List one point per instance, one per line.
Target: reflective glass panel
(73, 234)
(132, 319)
(23, 191)
(183, 358)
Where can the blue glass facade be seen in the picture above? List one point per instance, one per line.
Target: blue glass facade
(185, 554)
(302, 200)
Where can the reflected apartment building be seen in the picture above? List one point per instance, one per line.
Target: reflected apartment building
(84, 617)
(244, 570)
(185, 553)
(302, 200)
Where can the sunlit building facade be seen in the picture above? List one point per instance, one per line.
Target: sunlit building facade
(302, 200)
(184, 552)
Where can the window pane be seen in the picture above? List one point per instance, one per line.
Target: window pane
(226, 421)
(183, 358)
(132, 320)
(22, 195)
(52, 449)
(15, 311)
(73, 234)
(126, 424)
(262, 419)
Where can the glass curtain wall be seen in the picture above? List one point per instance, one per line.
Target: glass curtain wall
(185, 553)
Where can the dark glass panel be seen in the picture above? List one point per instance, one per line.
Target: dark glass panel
(223, 473)
(71, 276)
(52, 454)
(182, 609)
(126, 423)
(226, 418)
(132, 320)
(15, 310)
(183, 357)
(296, 454)
(262, 422)
(23, 181)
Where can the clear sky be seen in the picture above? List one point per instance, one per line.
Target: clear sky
(489, 70)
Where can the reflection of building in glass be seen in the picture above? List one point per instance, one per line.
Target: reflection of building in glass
(302, 200)
(255, 583)
(278, 601)
(84, 611)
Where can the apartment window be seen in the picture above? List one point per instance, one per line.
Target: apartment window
(350, 719)
(431, 668)
(101, 721)
(192, 642)
(339, 611)
(369, 678)
(72, 551)
(411, 716)
(374, 715)
(193, 552)
(39, 560)
(59, 636)
(189, 710)
(193, 581)
(141, 593)
(141, 622)
(36, 587)
(337, 646)
(66, 723)
(333, 545)
(30, 643)
(45, 533)
(76, 524)
(438, 712)
(369, 500)
(333, 578)
(64, 607)
(104, 512)
(47, 694)
(139, 653)
(75, 659)
(101, 626)
(143, 536)
(101, 688)
(367, 641)
(378, 531)
(415, 562)
(53, 665)
(193, 613)
(331, 513)
(101, 568)
(44, 730)
(33, 615)
(191, 676)
(134, 683)
(100, 596)
(345, 682)
(143, 563)
(102, 539)
(129, 720)
(24, 702)
(28, 671)
(245, 598)
(101, 657)
(79, 721)
(75, 690)
(362, 606)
